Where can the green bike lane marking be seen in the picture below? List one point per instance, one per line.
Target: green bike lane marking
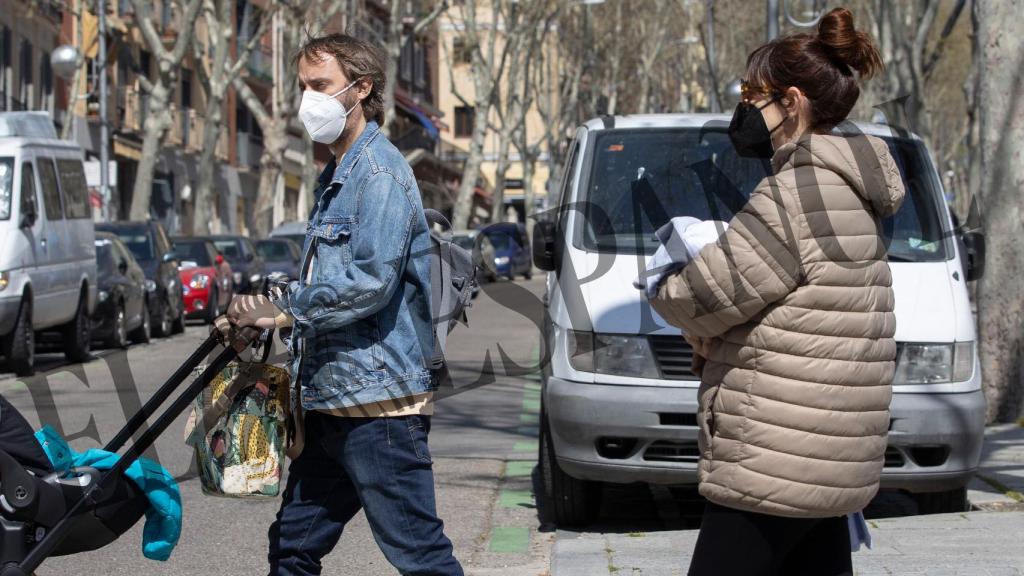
(526, 446)
(510, 539)
(515, 468)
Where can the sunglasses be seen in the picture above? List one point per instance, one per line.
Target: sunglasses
(750, 92)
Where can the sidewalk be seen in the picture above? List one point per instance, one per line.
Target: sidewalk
(986, 541)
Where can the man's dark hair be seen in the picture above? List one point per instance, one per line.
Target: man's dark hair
(358, 59)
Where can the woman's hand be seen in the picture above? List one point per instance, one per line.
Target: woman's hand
(257, 311)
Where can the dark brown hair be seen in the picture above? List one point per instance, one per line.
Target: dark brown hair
(821, 65)
(357, 59)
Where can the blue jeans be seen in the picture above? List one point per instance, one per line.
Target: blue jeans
(381, 465)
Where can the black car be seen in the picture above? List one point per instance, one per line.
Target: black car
(246, 263)
(153, 250)
(280, 255)
(121, 314)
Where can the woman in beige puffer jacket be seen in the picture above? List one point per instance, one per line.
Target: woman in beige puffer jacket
(793, 309)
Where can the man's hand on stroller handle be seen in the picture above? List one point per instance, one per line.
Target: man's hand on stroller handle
(257, 311)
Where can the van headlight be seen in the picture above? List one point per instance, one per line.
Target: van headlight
(613, 354)
(255, 278)
(934, 363)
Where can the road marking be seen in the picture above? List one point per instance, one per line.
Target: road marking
(519, 467)
(531, 405)
(516, 499)
(526, 446)
(529, 418)
(507, 539)
(532, 386)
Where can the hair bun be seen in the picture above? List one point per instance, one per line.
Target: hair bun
(848, 45)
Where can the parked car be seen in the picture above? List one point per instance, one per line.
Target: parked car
(511, 249)
(619, 402)
(152, 249)
(483, 252)
(294, 231)
(248, 267)
(206, 282)
(281, 255)
(47, 256)
(121, 313)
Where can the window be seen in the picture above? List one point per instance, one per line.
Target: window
(5, 64)
(463, 121)
(28, 190)
(6, 187)
(420, 66)
(462, 52)
(186, 88)
(405, 60)
(25, 88)
(51, 193)
(72, 183)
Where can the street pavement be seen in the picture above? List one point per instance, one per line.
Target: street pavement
(483, 444)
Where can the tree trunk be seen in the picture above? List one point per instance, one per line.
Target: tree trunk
(471, 171)
(158, 120)
(500, 172)
(212, 128)
(1000, 36)
(274, 146)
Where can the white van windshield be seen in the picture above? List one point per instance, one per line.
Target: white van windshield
(6, 187)
(639, 179)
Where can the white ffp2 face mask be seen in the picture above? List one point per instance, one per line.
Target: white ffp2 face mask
(323, 115)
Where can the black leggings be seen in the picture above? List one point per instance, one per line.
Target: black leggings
(736, 543)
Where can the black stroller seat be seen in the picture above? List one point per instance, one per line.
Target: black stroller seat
(33, 497)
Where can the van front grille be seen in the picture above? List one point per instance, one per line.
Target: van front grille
(674, 357)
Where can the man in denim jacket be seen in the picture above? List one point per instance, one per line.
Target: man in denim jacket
(362, 333)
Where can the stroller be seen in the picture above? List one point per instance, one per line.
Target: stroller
(44, 513)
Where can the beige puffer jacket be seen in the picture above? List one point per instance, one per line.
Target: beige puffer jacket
(794, 398)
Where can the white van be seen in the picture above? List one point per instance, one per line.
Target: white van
(47, 252)
(619, 400)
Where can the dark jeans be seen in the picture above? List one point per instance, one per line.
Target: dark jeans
(381, 465)
(736, 543)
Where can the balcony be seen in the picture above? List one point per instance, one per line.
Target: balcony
(250, 148)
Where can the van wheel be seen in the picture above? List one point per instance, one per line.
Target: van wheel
(77, 334)
(143, 333)
(19, 347)
(943, 502)
(573, 502)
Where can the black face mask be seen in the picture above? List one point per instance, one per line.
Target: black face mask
(748, 132)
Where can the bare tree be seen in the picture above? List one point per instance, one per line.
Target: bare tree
(291, 23)
(160, 89)
(487, 66)
(1000, 46)
(396, 40)
(216, 75)
(654, 29)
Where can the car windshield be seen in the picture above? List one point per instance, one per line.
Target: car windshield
(137, 241)
(229, 248)
(192, 251)
(642, 178)
(271, 250)
(6, 187)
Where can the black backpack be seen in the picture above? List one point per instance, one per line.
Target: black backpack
(452, 283)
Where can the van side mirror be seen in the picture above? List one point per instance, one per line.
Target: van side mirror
(974, 255)
(544, 245)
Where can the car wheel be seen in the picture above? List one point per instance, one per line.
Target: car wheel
(573, 502)
(119, 335)
(78, 334)
(19, 347)
(943, 502)
(163, 327)
(178, 325)
(144, 332)
(213, 307)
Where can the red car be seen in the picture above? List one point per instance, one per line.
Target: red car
(205, 278)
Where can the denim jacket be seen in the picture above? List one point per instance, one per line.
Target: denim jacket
(362, 327)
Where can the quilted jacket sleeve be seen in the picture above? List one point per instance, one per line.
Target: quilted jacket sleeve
(755, 263)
